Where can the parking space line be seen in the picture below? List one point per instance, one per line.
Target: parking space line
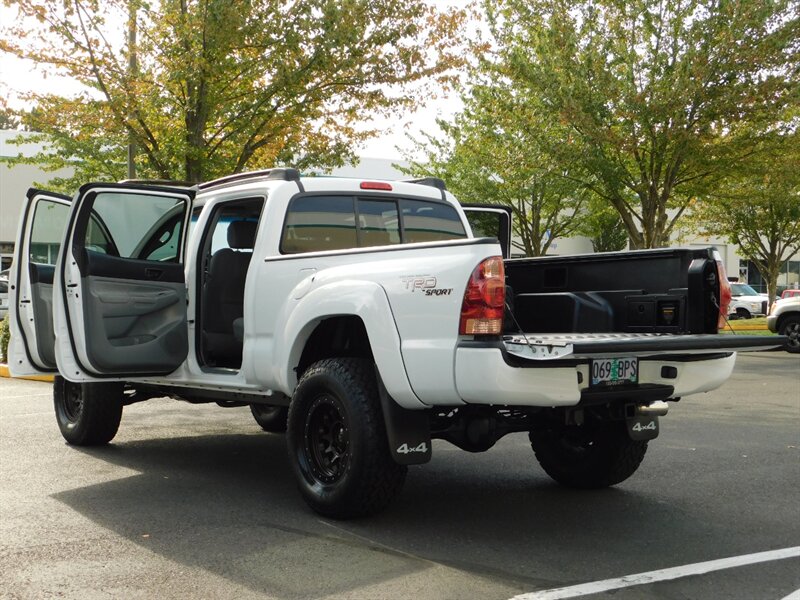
(700, 568)
(795, 595)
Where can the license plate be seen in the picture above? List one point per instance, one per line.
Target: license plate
(615, 371)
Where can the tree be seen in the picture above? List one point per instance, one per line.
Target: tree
(491, 153)
(218, 87)
(759, 210)
(604, 227)
(659, 99)
(8, 119)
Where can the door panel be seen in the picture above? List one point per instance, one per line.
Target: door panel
(121, 291)
(40, 233)
(129, 322)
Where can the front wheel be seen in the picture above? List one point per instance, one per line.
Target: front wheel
(590, 456)
(790, 327)
(88, 414)
(337, 440)
(743, 313)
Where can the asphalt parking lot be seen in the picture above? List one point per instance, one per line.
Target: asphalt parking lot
(197, 502)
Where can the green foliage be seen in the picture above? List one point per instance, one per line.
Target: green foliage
(210, 87)
(492, 153)
(5, 337)
(648, 103)
(604, 227)
(759, 210)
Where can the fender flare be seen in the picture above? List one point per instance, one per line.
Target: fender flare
(363, 299)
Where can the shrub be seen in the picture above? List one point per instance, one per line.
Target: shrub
(5, 336)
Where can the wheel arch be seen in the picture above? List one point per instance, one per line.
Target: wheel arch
(345, 318)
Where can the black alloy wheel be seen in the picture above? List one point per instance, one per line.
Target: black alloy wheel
(327, 439)
(337, 440)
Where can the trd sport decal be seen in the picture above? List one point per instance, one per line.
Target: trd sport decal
(425, 284)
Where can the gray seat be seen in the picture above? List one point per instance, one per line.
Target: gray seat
(223, 296)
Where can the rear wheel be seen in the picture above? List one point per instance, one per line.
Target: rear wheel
(337, 440)
(88, 414)
(589, 456)
(271, 418)
(790, 327)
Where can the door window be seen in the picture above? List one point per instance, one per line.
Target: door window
(147, 228)
(49, 220)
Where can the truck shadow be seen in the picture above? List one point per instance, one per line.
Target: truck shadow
(227, 504)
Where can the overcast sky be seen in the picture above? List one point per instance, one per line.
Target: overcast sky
(17, 75)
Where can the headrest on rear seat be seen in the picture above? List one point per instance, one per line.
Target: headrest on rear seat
(242, 234)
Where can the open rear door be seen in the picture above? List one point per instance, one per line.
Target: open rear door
(491, 220)
(41, 230)
(120, 288)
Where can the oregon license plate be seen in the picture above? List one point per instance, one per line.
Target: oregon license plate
(615, 371)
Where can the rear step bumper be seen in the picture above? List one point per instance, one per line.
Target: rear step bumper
(560, 346)
(502, 372)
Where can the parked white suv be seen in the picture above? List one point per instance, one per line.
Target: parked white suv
(366, 318)
(746, 302)
(785, 320)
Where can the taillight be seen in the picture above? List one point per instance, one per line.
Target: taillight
(725, 294)
(484, 299)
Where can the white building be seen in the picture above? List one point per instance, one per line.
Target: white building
(14, 182)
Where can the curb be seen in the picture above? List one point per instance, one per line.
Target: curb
(4, 372)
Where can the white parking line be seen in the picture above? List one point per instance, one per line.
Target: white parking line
(795, 595)
(605, 585)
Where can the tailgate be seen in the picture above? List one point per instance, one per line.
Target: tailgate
(587, 345)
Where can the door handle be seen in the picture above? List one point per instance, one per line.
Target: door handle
(153, 273)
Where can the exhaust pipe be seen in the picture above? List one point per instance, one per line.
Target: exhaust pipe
(654, 409)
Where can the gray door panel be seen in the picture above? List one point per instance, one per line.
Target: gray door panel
(42, 299)
(134, 325)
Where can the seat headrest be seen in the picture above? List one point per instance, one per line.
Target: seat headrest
(242, 234)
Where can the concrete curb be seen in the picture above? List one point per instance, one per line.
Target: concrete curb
(4, 372)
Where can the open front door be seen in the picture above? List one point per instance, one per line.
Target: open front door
(491, 220)
(120, 290)
(30, 283)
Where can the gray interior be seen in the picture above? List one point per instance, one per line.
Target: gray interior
(135, 326)
(42, 298)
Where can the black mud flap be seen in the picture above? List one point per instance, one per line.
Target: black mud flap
(408, 431)
(642, 427)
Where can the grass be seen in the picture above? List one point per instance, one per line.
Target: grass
(757, 326)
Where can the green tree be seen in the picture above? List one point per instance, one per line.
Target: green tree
(491, 153)
(759, 210)
(657, 100)
(604, 227)
(218, 86)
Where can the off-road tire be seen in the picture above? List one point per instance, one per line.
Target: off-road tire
(271, 418)
(88, 414)
(337, 401)
(790, 327)
(590, 456)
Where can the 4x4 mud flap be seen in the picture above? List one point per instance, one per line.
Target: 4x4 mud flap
(408, 431)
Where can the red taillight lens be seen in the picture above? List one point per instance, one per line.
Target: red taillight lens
(484, 299)
(725, 294)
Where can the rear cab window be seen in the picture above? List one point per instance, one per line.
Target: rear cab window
(321, 222)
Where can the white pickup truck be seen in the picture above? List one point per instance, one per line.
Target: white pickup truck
(364, 316)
